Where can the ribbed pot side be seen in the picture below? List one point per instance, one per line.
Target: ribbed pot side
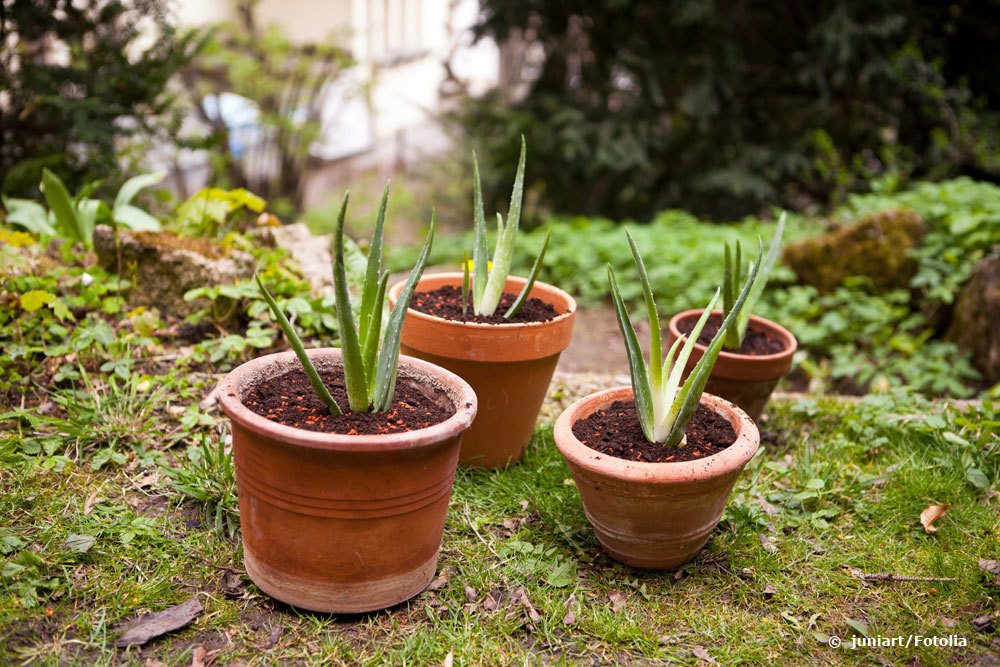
(508, 365)
(743, 379)
(653, 515)
(340, 523)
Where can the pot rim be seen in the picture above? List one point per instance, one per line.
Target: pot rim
(397, 287)
(791, 343)
(731, 459)
(459, 392)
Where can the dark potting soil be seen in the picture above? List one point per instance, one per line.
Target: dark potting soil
(615, 431)
(289, 399)
(446, 302)
(755, 342)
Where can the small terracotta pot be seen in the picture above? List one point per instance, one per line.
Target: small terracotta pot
(653, 515)
(342, 523)
(746, 380)
(508, 365)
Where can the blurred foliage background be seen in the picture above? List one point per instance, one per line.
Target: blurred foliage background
(634, 106)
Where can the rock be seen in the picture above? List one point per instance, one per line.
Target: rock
(876, 246)
(312, 253)
(163, 266)
(975, 321)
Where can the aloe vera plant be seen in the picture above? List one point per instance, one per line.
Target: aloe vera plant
(666, 405)
(488, 278)
(369, 367)
(732, 274)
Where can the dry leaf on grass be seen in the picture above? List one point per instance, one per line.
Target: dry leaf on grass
(151, 626)
(931, 514)
(617, 600)
(440, 582)
(991, 566)
(570, 617)
(521, 599)
(470, 594)
(449, 659)
(768, 545)
(702, 654)
(198, 656)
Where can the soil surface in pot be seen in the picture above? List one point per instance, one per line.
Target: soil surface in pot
(446, 302)
(755, 342)
(615, 431)
(289, 399)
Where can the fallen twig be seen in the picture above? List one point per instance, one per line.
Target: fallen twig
(888, 576)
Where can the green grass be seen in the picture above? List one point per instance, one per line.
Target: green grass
(837, 485)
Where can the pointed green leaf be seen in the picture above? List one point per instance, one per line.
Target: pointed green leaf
(61, 205)
(503, 254)
(388, 358)
(465, 283)
(135, 218)
(369, 348)
(637, 365)
(372, 272)
(767, 265)
(526, 290)
(480, 250)
(655, 345)
(300, 351)
(354, 370)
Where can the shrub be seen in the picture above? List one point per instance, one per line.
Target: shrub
(636, 106)
(76, 80)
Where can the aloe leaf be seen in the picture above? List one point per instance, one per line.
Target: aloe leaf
(767, 265)
(61, 205)
(300, 351)
(354, 370)
(691, 392)
(519, 302)
(503, 255)
(730, 288)
(637, 365)
(369, 290)
(388, 357)
(480, 250)
(655, 346)
(465, 283)
(369, 348)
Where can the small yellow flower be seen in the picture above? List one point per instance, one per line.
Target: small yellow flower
(489, 266)
(16, 239)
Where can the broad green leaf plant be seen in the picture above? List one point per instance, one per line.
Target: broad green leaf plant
(489, 278)
(369, 368)
(732, 274)
(666, 405)
(73, 218)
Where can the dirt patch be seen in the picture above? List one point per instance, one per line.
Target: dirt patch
(289, 399)
(446, 302)
(615, 431)
(756, 342)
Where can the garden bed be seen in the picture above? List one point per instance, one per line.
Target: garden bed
(836, 495)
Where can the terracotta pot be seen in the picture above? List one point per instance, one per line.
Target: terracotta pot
(324, 516)
(508, 365)
(744, 379)
(653, 515)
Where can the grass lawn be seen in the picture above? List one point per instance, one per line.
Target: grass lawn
(836, 491)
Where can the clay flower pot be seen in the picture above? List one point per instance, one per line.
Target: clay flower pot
(342, 523)
(744, 379)
(508, 365)
(653, 515)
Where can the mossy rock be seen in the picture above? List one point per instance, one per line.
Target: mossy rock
(164, 266)
(876, 247)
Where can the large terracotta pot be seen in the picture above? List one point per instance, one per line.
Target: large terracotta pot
(508, 365)
(653, 515)
(744, 379)
(342, 523)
